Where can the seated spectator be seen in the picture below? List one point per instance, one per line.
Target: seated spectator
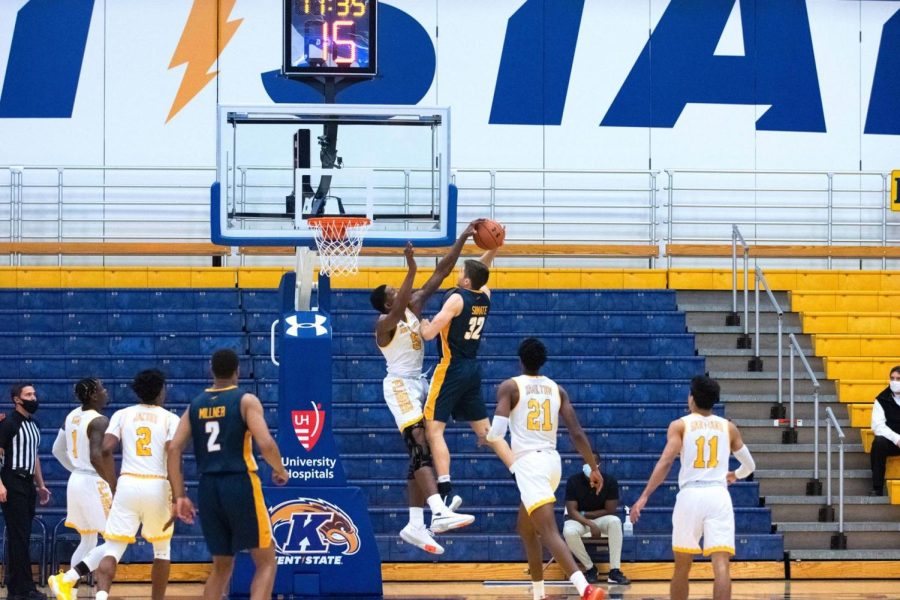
(886, 427)
(590, 512)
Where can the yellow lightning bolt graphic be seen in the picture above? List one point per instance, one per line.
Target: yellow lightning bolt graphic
(197, 48)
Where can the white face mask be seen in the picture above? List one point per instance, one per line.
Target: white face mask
(895, 387)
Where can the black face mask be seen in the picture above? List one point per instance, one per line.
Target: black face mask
(30, 406)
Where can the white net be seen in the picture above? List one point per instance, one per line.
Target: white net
(338, 241)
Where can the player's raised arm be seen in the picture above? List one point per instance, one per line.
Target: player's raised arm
(742, 453)
(507, 398)
(579, 438)
(184, 508)
(452, 308)
(105, 469)
(488, 257)
(663, 465)
(252, 412)
(387, 323)
(443, 270)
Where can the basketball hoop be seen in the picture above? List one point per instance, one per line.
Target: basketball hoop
(339, 240)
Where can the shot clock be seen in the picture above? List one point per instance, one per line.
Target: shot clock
(330, 37)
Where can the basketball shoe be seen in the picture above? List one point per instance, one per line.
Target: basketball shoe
(455, 503)
(593, 593)
(420, 538)
(447, 520)
(61, 588)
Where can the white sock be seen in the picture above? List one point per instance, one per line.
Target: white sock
(101, 595)
(71, 576)
(443, 478)
(436, 504)
(417, 516)
(579, 582)
(537, 589)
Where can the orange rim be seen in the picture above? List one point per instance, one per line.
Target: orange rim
(335, 228)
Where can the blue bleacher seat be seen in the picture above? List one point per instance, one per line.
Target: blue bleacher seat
(624, 357)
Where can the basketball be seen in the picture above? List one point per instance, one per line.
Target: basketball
(489, 235)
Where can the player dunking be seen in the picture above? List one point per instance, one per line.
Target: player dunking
(456, 385)
(531, 405)
(79, 446)
(703, 441)
(223, 422)
(398, 337)
(143, 497)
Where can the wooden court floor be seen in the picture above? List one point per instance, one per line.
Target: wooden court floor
(643, 590)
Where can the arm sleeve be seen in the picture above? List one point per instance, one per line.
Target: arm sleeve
(59, 451)
(498, 428)
(879, 424)
(746, 460)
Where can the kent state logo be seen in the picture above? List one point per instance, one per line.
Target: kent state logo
(294, 326)
(312, 531)
(308, 425)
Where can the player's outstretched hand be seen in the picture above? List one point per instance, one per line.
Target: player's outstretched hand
(410, 253)
(470, 230)
(184, 510)
(730, 477)
(280, 478)
(636, 509)
(43, 495)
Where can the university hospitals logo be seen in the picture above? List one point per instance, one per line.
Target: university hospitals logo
(295, 327)
(313, 531)
(308, 425)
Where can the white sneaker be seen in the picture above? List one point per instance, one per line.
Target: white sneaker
(445, 521)
(455, 503)
(420, 538)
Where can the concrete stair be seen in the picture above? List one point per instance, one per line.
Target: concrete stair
(871, 524)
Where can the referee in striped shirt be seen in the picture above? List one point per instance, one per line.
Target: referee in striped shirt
(21, 484)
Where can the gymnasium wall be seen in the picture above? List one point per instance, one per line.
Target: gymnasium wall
(539, 84)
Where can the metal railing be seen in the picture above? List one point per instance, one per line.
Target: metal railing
(100, 203)
(761, 278)
(735, 238)
(796, 350)
(840, 542)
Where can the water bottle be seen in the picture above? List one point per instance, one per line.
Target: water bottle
(628, 526)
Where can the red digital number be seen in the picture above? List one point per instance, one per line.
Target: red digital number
(336, 36)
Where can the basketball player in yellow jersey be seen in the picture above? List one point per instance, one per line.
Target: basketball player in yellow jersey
(142, 494)
(398, 338)
(531, 406)
(79, 444)
(703, 442)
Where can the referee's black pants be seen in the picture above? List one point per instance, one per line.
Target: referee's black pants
(18, 511)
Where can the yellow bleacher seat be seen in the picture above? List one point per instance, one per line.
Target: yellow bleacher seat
(846, 300)
(844, 344)
(867, 367)
(860, 415)
(847, 322)
(859, 390)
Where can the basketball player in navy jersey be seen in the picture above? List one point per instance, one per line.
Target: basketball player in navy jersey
(456, 385)
(223, 422)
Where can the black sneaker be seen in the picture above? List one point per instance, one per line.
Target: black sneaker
(874, 492)
(618, 577)
(591, 575)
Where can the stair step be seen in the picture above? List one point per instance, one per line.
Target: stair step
(849, 526)
(805, 474)
(820, 500)
(885, 554)
(738, 330)
(770, 375)
(797, 448)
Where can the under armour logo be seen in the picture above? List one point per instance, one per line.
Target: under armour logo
(318, 325)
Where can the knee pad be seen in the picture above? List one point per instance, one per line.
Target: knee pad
(419, 453)
(419, 457)
(162, 549)
(115, 549)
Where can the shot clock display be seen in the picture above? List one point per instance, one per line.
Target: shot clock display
(330, 37)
